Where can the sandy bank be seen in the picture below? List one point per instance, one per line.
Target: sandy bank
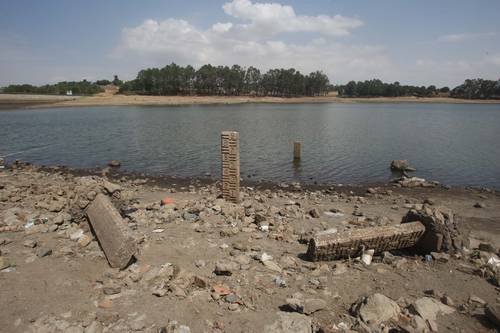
(22, 100)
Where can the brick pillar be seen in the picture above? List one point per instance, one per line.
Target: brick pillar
(230, 149)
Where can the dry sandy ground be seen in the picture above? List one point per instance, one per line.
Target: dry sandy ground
(74, 290)
(110, 99)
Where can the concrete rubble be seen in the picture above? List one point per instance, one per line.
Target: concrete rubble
(82, 252)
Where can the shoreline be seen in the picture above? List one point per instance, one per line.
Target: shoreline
(179, 182)
(15, 101)
(190, 246)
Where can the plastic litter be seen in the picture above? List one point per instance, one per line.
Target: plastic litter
(367, 257)
(29, 224)
(332, 214)
(428, 258)
(494, 262)
(280, 282)
(157, 231)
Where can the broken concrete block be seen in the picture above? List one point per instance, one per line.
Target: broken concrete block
(350, 243)
(111, 232)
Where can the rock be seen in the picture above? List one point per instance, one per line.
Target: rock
(477, 300)
(312, 305)
(114, 163)
(43, 252)
(84, 241)
(492, 312)
(29, 243)
(111, 188)
(432, 325)
(440, 256)
(111, 289)
(486, 247)
(225, 267)
(315, 213)
(428, 308)
(272, 266)
(4, 263)
(376, 309)
(442, 233)
(112, 232)
(401, 165)
(479, 205)
(94, 327)
(290, 323)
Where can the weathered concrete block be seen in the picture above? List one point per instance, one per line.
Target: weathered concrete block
(111, 231)
(350, 243)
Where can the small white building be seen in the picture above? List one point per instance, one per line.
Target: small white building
(69, 93)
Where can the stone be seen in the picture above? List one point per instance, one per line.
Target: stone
(315, 213)
(492, 312)
(401, 165)
(440, 256)
(112, 232)
(428, 308)
(114, 163)
(94, 327)
(43, 252)
(4, 263)
(442, 233)
(272, 265)
(376, 309)
(312, 305)
(479, 205)
(225, 267)
(111, 188)
(29, 243)
(290, 323)
(111, 289)
(477, 300)
(84, 240)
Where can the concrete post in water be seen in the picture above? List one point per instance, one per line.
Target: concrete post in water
(2, 162)
(230, 149)
(296, 151)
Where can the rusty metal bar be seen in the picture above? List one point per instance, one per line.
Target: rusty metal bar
(349, 243)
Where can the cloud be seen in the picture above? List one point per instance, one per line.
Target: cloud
(254, 38)
(274, 18)
(455, 38)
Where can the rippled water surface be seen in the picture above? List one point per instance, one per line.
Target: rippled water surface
(341, 143)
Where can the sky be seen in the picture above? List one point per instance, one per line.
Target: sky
(420, 42)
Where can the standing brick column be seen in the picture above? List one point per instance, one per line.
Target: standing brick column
(230, 149)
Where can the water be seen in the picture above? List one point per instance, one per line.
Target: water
(341, 143)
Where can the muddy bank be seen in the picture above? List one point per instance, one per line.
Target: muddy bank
(204, 265)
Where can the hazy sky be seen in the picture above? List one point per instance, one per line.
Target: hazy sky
(415, 42)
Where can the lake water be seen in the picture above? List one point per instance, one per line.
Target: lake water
(341, 143)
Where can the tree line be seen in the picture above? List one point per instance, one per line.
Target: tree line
(226, 81)
(83, 87)
(477, 89)
(377, 88)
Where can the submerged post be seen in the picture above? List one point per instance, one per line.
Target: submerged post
(296, 151)
(230, 151)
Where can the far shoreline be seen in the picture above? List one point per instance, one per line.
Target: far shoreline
(15, 101)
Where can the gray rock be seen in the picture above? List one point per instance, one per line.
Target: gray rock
(314, 213)
(290, 323)
(401, 165)
(493, 314)
(114, 163)
(43, 252)
(225, 267)
(428, 308)
(94, 327)
(111, 188)
(377, 309)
